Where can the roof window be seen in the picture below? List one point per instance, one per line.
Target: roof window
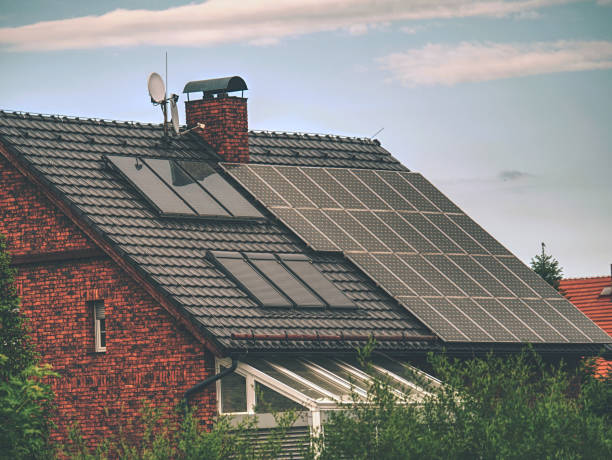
(184, 188)
(284, 281)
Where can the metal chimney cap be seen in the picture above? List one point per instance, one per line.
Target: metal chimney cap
(216, 85)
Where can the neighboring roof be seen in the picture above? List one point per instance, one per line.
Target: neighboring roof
(585, 293)
(67, 153)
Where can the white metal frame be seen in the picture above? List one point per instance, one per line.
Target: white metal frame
(315, 406)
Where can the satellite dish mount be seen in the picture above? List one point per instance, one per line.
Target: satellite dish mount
(157, 91)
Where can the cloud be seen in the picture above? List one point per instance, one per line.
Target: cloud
(247, 21)
(437, 64)
(513, 174)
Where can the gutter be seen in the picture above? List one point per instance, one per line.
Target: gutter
(206, 382)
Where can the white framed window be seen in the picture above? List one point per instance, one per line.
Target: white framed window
(99, 316)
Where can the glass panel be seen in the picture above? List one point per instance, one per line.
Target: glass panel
(150, 185)
(233, 393)
(218, 187)
(299, 368)
(287, 283)
(314, 279)
(263, 291)
(186, 188)
(263, 366)
(269, 400)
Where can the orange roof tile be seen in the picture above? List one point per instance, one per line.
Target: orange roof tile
(585, 293)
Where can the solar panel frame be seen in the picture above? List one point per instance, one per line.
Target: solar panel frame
(415, 243)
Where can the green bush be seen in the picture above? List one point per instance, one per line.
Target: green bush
(513, 407)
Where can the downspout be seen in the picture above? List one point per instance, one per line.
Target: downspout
(204, 383)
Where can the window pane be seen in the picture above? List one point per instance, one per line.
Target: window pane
(102, 332)
(233, 393)
(150, 185)
(288, 283)
(220, 189)
(318, 283)
(186, 188)
(263, 291)
(269, 400)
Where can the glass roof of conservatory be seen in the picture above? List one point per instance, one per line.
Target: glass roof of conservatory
(316, 384)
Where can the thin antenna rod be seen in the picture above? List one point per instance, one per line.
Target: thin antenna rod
(377, 132)
(165, 108)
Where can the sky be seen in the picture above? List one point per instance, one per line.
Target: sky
(506, 106)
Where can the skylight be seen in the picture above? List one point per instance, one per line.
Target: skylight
(285, 281)
(184, 188)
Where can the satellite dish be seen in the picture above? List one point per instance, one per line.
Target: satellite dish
(157, 89)
(174, 113)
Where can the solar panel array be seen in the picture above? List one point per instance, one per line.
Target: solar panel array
(422, 249)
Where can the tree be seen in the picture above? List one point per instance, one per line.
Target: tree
(14, 340)
(547, 267)
(25, 397)
(515, 407)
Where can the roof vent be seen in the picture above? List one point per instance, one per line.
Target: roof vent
(215, 86)
(606, 291)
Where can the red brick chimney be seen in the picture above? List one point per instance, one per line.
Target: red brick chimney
(225, 117)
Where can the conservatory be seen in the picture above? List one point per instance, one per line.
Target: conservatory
(311, 386)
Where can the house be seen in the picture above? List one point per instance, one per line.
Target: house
(200, 266)
(593, 297)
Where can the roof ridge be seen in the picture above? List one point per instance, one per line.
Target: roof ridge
(585, 278)
(77, 118)
(315, 135)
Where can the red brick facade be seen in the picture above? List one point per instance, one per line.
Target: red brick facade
(150, 356)
(226, 123)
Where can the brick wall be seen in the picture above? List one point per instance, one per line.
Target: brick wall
(149, 356)
(226, 125)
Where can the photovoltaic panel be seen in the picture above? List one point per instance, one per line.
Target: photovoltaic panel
(578, 319)
(381, 275)
(554, 318)
(283, 187)
(305, 230)
(534, 280)
(499, 271)
(333, 231)
(418, 263)
(308, 187)
(459, 319)
(251, 181)
(484, 319)
(360, 233)
(535, 322)
(425, 227)
(415, 243)
(403, 187)
(518, 328)
(406, 231)
(450, 229)
(459, 277)
(476, 232)
(434, 320)
(432, 193)
(481, 276)
(382, 189)
(358, 189)
(418, 284)
(342, 196)
(384, 232)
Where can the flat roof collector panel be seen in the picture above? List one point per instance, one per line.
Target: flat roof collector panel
(421, 248)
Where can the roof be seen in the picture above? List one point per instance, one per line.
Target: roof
(67, 153)
(68, 156)
(585, 293)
